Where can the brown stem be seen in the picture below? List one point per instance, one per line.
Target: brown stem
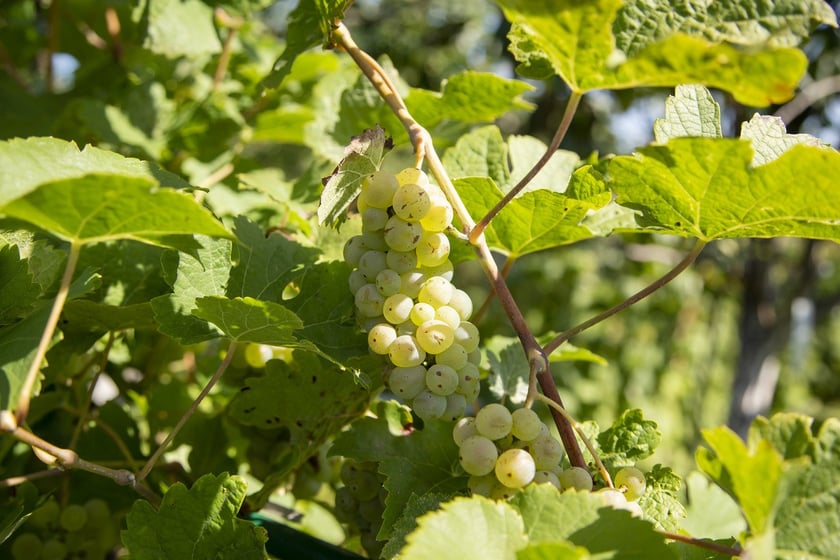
(112, 24)
(489, 299)
(635, 298)
(702, 543)
(562, 128)
(188, 414)
(17, 480)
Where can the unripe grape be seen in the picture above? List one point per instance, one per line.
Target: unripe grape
(405, 352)
(411, 202)
(577, 478)
(372, 263)
(547, 477)
(428, 405)
(374, 241)
(374, 219)
(371, 510)
(456, 406)
(354, 249)
(407, 382)
(441, 380)
(474, 357)
(464, 428)
(422, 312)
(466, 334)
(515, 468)
(434, 337)
(435, 291)
(478, 455)
(381, 337)
(46, 516)
(388, 282)
(411, 282)
(432, 249)
(397, 308)
(53, 549)
(369, 301)
(526, 424)
(401, 235)
(356, 280)
(99, 513)
(363, 485)
(632, 481)
(547, 452)
(345, 505)
(502, 492)
(482, 485)
(455, 357)
(26, 546)
(401, 262)
(73, 518)
(379, 189)
(493, 421)
(461, 302)
(446, 270)
(468, 381)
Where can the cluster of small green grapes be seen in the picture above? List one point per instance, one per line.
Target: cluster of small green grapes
(86, 531)
(404, 296)
(504, 452)
(361, 502)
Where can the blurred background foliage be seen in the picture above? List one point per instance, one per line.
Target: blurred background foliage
(752, 327)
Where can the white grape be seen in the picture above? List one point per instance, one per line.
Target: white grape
(493, 421)
(422, 312)
(407, 382)
(397, 308)
(468, 381)
(412, 175)
(478, 455)
(435, 291)
(466, 334)
(411, 202)
(439, 216)
(632, 481)
(369, 301)
(387, 282)
(526, 424)
(356, 280)
(577, 478)
(461, 302)
(464, 428)
(433, 249)
(474, 357)
(547, 452)
(482, 485)
(428, 405)
(446, 270)
(411, 282)
(434, 337)
(405, 352)
(456, 405)
(449, 316)
(401, 235)
(354, 248)
(379, 189)
(455, 357)
(374, 219)
(441, 380)
(400, 262)
(374, 241)
(372, 263)
(515, 468)
(381, 337)
(547, 477)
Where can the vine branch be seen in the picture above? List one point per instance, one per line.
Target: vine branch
(701, 543)
(635, 298)
(424, 148)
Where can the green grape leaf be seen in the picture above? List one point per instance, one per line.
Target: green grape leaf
(692, 112)
(711, 512)
(782, 24)
(770, 139)
(176, 28)
(509, 370)
(98, 208)
(707, 188)
(26, 164)
(583, 519)
(265, 264)
(575, 41)
(361, 158)
(631, 438)
(470, 97)
(86, 315)
(18, 289)
(571, 353)
(414, 462)
(537, 220)
(467, 528)
(250, 320)
(326, 307)
(309, 25)
(415, 508)
(16, 509)
(558, 550)
(789, 433)
(200, 522)
(750, 475)
(479, 153)
(661, 502)
(525, 151)
(192, 277)
(828, 441)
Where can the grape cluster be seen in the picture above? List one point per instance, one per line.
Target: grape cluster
(361, 502)
(404, 296)
(504, 452)
(86, 531)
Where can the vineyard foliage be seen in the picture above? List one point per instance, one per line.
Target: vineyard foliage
(184, 372)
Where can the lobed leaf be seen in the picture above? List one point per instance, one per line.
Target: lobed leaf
(631, 438)
(770, 139)
(692, 112)
(250, 320)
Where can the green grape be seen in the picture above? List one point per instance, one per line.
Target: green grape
(99, 513)
(401, 262)
(493, 421)
(372, 263)
(547, 452)
(482, 485)
(406, 327)
(428, 406)
(54, 549)
(461, 302)
(407, 382)
(441, 380)
(381, 337)
(455, 357)
(26, 546)
(45, 516)
(256, 355)
(478, 455)
(374, 241)
(345, 505)
(405, 352)
(354, 249)
(439, 217)
(464, 428)
(412, 175)
(372, 546)
(373, 219)
(469, 382)
(445, 270)
(421, 312)
(369, 301)
(466, 334)
(474, 357)
(401, 235)
(515, 468)
(356, 280)
(456, 406)
(434, 337)
(577, 478)
(632, 480)
(73, 518)
(379, 189)
(502, 492)
(363, 485)
(449, 316)
(397, 308)
(433, 249)
(526, 424)
(435, 291)
(388, 282)
(411, 202)
(371, 510)
(368, 323)
(547, 477)
(411, 282)
(612, 498)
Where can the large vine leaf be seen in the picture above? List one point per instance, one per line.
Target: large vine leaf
(200, 522)
(176, 28)
(708, 188)
(576, 41)
(770, 139)
(250, 320)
